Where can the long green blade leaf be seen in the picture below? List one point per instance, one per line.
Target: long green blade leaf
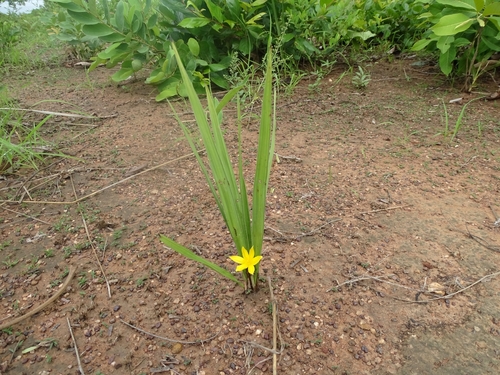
(190, 255)
(264, 159)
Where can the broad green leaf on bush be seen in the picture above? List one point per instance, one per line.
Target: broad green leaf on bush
(465, 4)
(452, 24)
(364, 35)
(194, 47)
(83, 17)
(215, 11)
(421, 44)
(444, 43)
(234, 7)
(118, 18)
(123, 74)
(112, 38)
(479, 5)
(168, 89)
(491, 43)
(190, 23)
(446, 60)
(492, 9)
(97, 30)
(69, 5)
(190, 255)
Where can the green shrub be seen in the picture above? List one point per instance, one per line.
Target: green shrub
(466, 33)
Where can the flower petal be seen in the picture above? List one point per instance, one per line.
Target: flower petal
(251, 269)
(256, 260)
(237, 259)
(241, 267)
(244, 252)
(252, 252)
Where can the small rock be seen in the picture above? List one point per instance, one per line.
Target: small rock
(177, 348)
(481, 344)
(364, 326)
(116, 308)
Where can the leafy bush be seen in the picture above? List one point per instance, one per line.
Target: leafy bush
(466, 33)
(208, 33)
(10, 33)
(63, 28)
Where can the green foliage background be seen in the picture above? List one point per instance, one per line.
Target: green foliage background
(210, 34)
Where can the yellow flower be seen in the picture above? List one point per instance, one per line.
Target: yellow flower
(248, 260)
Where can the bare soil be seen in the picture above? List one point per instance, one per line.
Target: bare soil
(380, 232)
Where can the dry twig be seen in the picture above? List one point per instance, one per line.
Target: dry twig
(92, 242)
(80, 368)
(107, 187)
(167, 339)
(447, 296)
(61, 290)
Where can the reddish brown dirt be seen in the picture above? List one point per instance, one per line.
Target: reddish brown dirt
(367, 195)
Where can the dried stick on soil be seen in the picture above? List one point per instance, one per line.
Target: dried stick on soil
(274, 306)
(28, 216)
(352, 281)
(167, 339)
(497, 218)
(458, 291)
(76, 348)
(109, 186)
(91, 242)
(61, 290)
(482, 242)
(447, 296)
(383, 209)
(58, 113)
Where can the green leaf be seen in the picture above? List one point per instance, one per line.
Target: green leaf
(216, 67)
(97, 30)
(265, 152)
(119, 18)
(92, 6)
(219, 80)
(421, 44)
(168, 89)
(234, 7)
(215, 11)
(69, 4)
(364, 35)
(446, 60)
(105, 8)
(228, 97)
(491, 43)
(152, 21)
(122, 74)
(156, 78)
(465, 4)
(112, 38)
(492, 9)
(444, 43)
(83, 17)
(452, 24)
(194, 22)
(257, 17)
(194, 47)
(479, 4)
(190, 255)
(258, 3)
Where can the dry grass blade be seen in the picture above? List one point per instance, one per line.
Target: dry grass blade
(80, 368)
(92, 243)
